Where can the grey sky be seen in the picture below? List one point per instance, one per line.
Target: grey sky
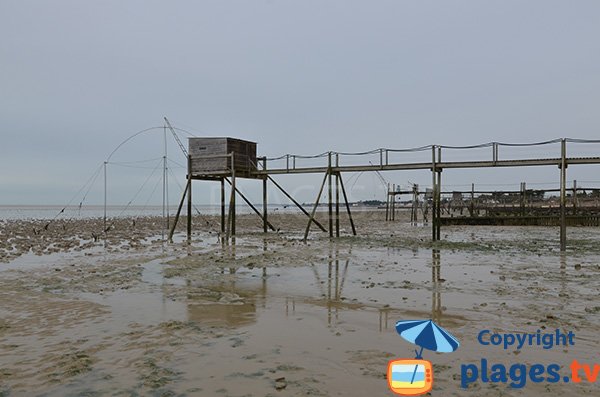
(78, 77)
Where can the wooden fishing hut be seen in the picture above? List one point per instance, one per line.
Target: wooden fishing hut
(225, 159)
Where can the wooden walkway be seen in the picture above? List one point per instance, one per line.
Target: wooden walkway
(331, 168)
(427, 166)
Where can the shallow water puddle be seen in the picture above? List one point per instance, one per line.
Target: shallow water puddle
(231, 322)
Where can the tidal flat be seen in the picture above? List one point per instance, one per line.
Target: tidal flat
(126, 314)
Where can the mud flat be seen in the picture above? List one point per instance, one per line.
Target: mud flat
(123, 314)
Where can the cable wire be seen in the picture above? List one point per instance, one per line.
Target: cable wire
(134, 196)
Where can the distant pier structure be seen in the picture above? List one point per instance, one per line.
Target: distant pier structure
(225, 159)
(524, 207)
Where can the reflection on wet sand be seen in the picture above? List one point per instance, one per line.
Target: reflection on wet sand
(331, 295)
(436, 279)
(235, 306)
(222, 315)
(238, 297)
(243, 294)
(436, 297)
(563, 278)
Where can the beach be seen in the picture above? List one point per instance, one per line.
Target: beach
(270, 315)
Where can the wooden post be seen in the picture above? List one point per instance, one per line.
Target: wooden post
(231, 213)
(347, 205)
(524, 198)
(575, 197)
(105, 197)
(392, 199)
(472, 206)
(233, 190)
(387, 203)
(412, 207)
(330, 197)
(439, 196)
(189, 201)
(433, 195)
(228, 224)
(222, 205)
(393, 202)
(314, 210)
(415, 205)
(172, 231)
(420, 205)
(165, 183)
(563, 182)
(337, 204)
(337, 198)
(265, 221)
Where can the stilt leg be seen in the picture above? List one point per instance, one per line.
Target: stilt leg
(347, 205)
(314, 210)
(189, 202)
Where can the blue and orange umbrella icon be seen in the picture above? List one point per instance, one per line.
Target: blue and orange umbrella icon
(414, 377)
(427, 335)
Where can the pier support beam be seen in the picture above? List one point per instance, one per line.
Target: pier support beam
(105, 198)
(414, 214)
(575, 204)
(172, 231)
(393, 203)
(337, 198)
(436, 199)
(229, 215)
(330, 197)
(222, 205)
(433, 196)
(189, 200)
(439, 197)
(347, 204)
(264, 186)
(472, 204)
(233, 190)
(563, 185)
(522, 199)
(314, 210)
(387, 203)
(230, 231)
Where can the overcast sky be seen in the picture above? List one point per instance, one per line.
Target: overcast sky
(78, 77)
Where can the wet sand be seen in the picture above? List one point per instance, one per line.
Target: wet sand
(272, 316)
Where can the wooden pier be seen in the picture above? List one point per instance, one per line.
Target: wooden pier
(241, 161)
(525, 207)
